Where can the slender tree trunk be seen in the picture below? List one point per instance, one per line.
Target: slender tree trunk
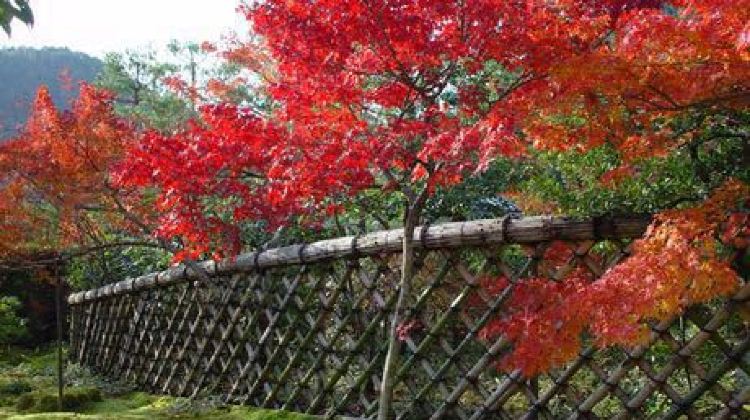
(59, 321)
(394, 344)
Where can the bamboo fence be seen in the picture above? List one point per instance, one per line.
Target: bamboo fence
(304, 328)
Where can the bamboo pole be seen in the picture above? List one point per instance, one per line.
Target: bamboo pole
(453, 235)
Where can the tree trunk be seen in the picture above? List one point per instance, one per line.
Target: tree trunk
(394, 344)
(59, 321)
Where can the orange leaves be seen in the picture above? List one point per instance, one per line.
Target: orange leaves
(616, 175)
(433, 91)
(234, 167)
(531, 204)
(430, 92)
(57, 170)
(653, 67)
(736, 230)
(684, 259)
(676, 265)
(367, 60)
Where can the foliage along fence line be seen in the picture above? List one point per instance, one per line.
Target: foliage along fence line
(304, 328)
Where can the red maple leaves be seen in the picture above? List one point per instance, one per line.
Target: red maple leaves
(362, 94)
(677, 264)
(233, 167)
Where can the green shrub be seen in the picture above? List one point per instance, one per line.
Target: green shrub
(12, 327)
(15, 387)
(46, 401)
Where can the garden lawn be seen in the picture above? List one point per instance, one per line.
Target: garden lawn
(28, 392)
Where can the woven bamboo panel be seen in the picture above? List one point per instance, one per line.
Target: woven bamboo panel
(311, 337)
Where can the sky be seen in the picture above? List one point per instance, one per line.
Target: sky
(99, 26)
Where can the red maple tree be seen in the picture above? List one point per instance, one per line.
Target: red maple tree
(408, 95)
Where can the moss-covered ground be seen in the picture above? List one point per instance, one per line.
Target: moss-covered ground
(28, 392)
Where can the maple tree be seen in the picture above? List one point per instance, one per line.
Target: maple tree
(374, 97)
(409, 96)
(645, 97)
(56, 197)
(684, 259)
(56, 194)
(462, 100)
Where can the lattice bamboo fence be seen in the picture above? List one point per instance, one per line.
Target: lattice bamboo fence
(304, 328)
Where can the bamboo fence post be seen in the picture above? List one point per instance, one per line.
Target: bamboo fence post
(59, 327)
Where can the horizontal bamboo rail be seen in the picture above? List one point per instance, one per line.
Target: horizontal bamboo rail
(444, 236)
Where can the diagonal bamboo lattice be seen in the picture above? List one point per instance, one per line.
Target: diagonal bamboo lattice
(304, 328)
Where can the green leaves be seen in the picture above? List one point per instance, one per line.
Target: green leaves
(597, 182)
(15, 9)
(12, 327)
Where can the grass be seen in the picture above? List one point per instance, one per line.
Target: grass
(28, 392)
(138, 406)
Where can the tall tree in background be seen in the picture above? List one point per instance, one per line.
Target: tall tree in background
(162, 91)
(137, 80)
(56, 195)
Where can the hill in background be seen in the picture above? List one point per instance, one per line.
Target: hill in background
(22, 70)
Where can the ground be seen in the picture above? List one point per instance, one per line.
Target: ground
(28, 392)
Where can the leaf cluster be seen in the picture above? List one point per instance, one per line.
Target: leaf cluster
(15, 9)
